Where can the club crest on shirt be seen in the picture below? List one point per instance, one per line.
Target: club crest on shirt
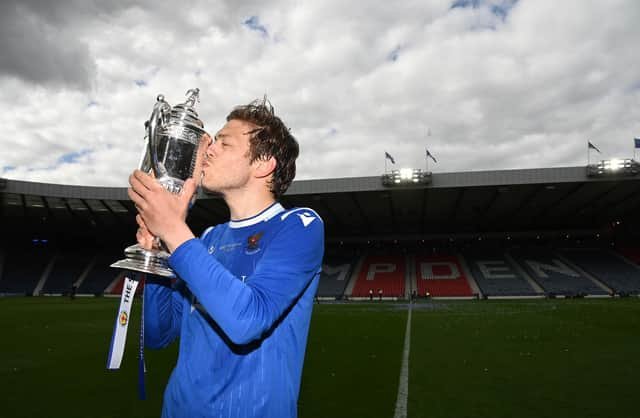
(212, 249)
(253, 243)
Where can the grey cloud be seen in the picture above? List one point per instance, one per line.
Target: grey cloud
(39, 44)
(528, 93)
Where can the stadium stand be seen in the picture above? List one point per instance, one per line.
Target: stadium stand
(619, 274)
(554, 275)
(376, 233)
(100, 275)
(441, 275)
(67, 268)
(115, 287)
(632, 254)
(23, 269)
(385, 272)
(496, 275)
(335, 275)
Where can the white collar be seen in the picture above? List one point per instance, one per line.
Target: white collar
(263, 216)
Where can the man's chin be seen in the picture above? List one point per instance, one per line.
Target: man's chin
(208, 187)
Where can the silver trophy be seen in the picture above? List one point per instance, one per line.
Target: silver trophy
(173, 151)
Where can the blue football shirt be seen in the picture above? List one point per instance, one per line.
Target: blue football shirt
(241, 309)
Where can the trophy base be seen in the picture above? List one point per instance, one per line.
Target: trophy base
(146, 261)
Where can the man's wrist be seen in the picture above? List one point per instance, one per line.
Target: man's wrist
(177, 237)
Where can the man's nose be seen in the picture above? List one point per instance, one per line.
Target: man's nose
(211, 148)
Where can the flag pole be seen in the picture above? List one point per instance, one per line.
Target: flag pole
(426, 156)
(588, 154)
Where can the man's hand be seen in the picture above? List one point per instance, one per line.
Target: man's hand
(162, 213)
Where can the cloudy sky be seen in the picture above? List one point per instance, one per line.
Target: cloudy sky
(483, 84)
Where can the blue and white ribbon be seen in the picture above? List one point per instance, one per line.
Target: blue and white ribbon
(119, 338)
(142, 368)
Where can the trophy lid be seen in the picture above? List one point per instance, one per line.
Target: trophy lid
(185, 114)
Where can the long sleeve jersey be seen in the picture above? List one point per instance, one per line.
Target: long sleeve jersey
(241, 309)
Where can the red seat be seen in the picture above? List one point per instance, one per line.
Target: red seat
(385, 272)
(441, 275)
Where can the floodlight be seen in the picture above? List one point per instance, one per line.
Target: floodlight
(406, 176)
(616, 164)
(618, 167)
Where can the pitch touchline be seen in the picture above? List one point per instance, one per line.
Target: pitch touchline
(403, 386)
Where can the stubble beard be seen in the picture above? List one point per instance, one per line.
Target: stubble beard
(221, 184)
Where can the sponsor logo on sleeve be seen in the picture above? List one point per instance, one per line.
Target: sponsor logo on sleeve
(306, 218)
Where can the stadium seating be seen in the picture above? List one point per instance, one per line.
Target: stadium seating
(496, 275)
(386, 272)
(515, 272)
(23, 268)
(100, 276)
(614, 271)
(116, 289)
(441, 275)
(335, 275)
(632, 254)
(67, 268)
(553, 274)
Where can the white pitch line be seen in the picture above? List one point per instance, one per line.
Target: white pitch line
(403, 386)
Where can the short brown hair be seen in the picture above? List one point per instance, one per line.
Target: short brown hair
(271, 138)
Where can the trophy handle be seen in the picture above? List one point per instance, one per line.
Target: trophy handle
(192, 97)
(158, 120)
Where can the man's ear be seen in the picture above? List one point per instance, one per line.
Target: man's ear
(264, 167)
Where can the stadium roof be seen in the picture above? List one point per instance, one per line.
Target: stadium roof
(558, 200)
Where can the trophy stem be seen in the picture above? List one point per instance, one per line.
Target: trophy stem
(146, 261)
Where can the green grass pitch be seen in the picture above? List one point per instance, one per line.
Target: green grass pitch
(525, 358)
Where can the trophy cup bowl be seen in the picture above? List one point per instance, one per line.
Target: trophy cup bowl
(174, 139)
